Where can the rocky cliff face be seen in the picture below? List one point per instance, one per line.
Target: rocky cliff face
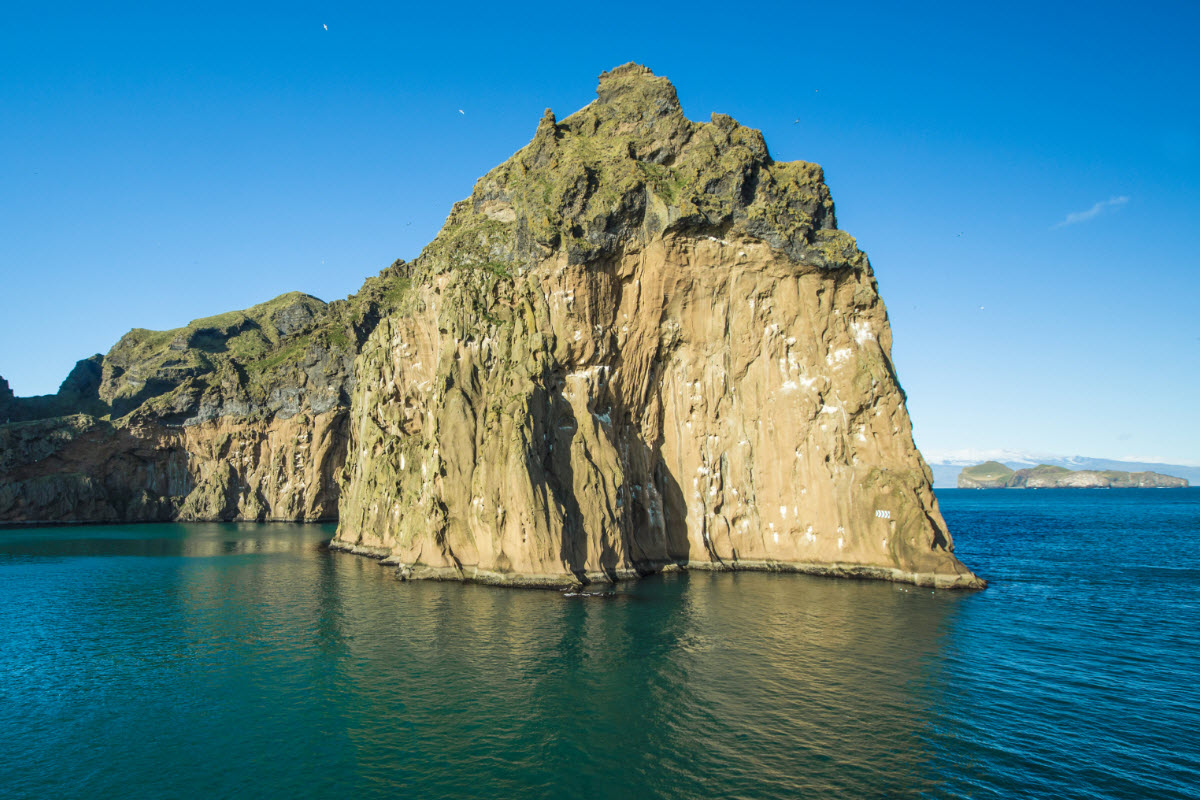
(78, 393)
(238, 416)
(640, 344)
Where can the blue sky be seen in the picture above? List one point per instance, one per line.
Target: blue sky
(1025, 178)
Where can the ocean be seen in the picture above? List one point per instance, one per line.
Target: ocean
(234, 660)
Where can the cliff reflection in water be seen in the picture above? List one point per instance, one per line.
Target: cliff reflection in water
(169, 539)
(214, 660)
(776, 685)
(248, 655)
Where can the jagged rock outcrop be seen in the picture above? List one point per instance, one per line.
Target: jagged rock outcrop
(993, 475)
(78, 393)
(641, 343)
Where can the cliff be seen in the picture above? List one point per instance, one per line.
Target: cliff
(640, 344)
(237, 416)
(992, 475)
(78, 393)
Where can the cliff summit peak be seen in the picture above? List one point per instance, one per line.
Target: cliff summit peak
(627, 70)
(632, 90)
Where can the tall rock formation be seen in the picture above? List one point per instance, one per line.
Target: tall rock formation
(640, 344)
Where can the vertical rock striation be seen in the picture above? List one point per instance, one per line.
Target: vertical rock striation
(640, 344)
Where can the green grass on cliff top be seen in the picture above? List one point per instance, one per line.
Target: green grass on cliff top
(987, 471)
(228, 330)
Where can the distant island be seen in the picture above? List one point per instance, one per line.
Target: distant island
(994, 475)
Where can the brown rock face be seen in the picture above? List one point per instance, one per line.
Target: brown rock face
(81, 469)
(239, 416)
(640, 344)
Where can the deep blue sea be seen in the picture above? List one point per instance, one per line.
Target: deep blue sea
(241, 660)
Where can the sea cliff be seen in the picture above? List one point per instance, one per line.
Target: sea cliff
(241, 416)
(640, 344)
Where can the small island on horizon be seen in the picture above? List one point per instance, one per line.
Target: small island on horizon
(994, 475)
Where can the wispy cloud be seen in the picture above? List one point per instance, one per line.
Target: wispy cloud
(1093, 212)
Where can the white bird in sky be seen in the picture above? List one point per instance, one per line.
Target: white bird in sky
(461, 111)
(323, 25)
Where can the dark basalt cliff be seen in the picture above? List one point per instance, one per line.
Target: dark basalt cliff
(640, 344)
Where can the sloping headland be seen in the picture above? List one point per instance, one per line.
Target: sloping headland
(640, 344)
(994, 475)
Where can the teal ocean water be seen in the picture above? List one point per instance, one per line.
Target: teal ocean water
(209, 661)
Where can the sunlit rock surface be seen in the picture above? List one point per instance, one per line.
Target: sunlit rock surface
(640, 344)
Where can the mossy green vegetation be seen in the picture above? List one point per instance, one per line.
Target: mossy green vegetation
(248, 356)
(207, 353)
(289, 352)
(631, 166)
(622, 170)
(618, 173)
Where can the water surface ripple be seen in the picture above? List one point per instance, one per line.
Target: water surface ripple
(158, 661)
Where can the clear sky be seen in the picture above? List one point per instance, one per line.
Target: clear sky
(1024, 177)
